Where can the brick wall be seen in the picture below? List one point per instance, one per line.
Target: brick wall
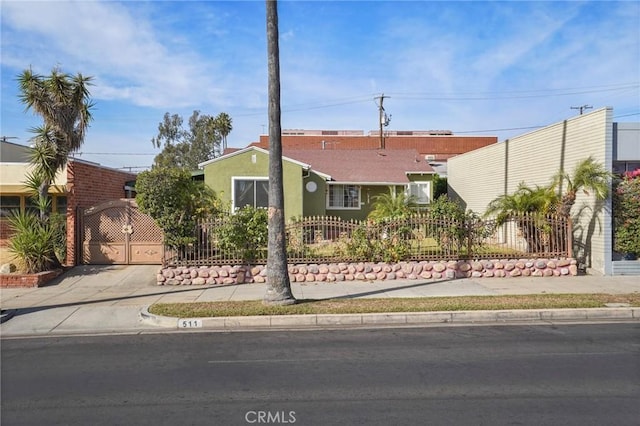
(28, 280)
(5, 233)
(87, 185)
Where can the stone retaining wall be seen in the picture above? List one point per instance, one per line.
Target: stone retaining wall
(226, 275)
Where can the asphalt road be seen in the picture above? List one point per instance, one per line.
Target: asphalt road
(524, 375)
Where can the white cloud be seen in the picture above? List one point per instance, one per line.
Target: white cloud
(152, 57)
(123, 52)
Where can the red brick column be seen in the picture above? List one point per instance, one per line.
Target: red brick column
(89, 184)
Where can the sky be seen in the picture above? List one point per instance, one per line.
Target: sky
(475, 68)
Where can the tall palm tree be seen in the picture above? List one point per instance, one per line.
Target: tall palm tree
(278, 284)
(223, 123)
(63, 102)
(589, 176)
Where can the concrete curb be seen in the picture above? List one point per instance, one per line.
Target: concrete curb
(389, 319)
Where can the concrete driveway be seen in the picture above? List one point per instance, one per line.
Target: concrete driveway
(100, 284)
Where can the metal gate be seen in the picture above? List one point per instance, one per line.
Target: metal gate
(116, 232)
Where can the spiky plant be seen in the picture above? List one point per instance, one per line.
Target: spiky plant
(393, 205)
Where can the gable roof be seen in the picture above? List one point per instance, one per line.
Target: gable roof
(381, 167)
(233, 153)
(363, 166)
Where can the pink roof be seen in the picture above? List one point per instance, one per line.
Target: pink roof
(363, 166)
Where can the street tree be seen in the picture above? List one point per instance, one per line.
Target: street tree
(278, 284)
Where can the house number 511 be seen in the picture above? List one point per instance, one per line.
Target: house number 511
(189, 323)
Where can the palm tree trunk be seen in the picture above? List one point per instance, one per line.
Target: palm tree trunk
(567, 201)
(278, 284)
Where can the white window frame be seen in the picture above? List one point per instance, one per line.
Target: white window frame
(234, 179)
(414, 188)
(331, 187)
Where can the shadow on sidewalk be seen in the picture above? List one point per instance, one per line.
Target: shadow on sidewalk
(385, 290)
(24, 311)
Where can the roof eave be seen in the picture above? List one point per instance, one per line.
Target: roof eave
(339, 182)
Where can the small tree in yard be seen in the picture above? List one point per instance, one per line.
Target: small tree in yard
(589, 177)
(63, 103)
(175, 201)
(393, 204)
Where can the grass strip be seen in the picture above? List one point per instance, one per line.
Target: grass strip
(361, 306)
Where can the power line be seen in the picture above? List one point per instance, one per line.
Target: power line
(582, 108)
(113, 153)
(499, 130)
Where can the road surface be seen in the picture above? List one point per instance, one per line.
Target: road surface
(526, 375)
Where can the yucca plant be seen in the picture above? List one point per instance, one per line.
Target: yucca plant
(33, 242)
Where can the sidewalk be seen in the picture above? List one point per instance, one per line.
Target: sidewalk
(113, 299)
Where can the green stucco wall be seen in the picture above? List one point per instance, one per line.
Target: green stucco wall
(253, 163)
(298, 200)
(314, 202)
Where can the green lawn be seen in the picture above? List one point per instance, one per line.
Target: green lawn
(426, 304)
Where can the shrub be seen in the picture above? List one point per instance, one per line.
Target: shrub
(386, 240)
(244, 233)
(175, 201)
(35, 241)
(626, 214)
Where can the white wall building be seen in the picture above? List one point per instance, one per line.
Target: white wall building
(479, 176)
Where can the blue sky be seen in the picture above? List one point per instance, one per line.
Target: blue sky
(471, 67)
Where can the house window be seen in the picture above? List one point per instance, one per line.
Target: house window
(250, 192)
(61, 205)
(9, 204)
(343, 197)
(421, 191)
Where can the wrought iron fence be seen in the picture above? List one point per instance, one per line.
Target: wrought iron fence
(420, 237)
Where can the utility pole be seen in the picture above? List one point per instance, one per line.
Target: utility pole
(383, 118)
(582, 108)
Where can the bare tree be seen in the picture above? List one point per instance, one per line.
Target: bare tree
(278, 284)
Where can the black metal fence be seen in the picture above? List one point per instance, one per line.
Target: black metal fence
(420, 237)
